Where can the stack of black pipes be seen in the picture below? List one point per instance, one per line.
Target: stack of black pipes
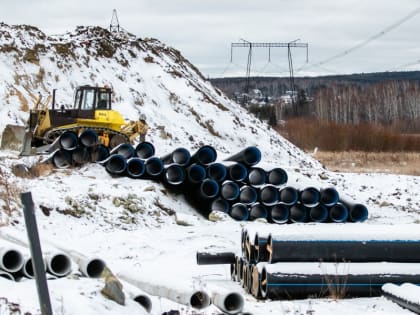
(235, 186)
(269, 266)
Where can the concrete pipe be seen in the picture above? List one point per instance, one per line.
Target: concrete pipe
(174, 174)
(80, 155)
(88, 138)
(328, 196)
(338, 213)
(179, 156)
(99, 153)
(298, 213)
(58, 264)
(257, 211)
(204, 155)
(236, 171)
(220, 204)
(135, 167)
(216, 171)
(7, 275)
(269, 195)
(215, 258)
(256, 177)
(309, 196)
(248, 195)
(288, 195)
(239, 212)
(144, 150)
(116, 164)
(68, 140)
(90, 267)
(61, 158)
(144, 301)
(153, 167)
(278, 213)
(277, 176)
(11, 259)
(196, 173)
(248, 156)
(229, 190)
(227, 302)
(318, 213)
(124, 149)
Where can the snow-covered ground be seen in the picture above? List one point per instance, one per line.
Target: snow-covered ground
(85, 209)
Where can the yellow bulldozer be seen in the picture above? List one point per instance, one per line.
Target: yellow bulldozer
(92, 109)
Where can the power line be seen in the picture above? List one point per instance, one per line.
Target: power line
(367, 41)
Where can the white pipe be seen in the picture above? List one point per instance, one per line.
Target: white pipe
(58, 264)
(226, 300)
(182, 294)
(7, 275)
(11, 258)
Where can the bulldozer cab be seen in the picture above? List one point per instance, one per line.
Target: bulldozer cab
(88, 98)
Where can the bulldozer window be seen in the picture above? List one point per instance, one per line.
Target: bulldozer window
(88, 99)
(103, 100)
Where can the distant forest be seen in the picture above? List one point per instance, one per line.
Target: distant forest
(386, 98)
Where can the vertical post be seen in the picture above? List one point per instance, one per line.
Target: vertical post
(36, 253)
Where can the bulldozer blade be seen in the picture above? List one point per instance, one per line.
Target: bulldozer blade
(13, 138)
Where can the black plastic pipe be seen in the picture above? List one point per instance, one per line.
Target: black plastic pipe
(216, 171)
(61, 158)
(248, 195)
(299, 286)
(144, 150)
(208, 189)
(196, 173)
(357, 211)
(153, 167)
(309, 196)
(88, 138)
(220, 204)
(239, 212)
(124, 149)
(204, 155)
(288, 195)
(338, 213)
(298, 213)
(398, 294)
(174, 174)
(135, 167)
(229, 190)
(68, 140)
(223, 258)
(80, 155)
(318, 213)
(328, 196)
(279, 213)
(256, 177)
(277, 176)
(99, 153)
(269, 195)
(116, 164)
(236, 171)
(257, 211)
(179, 156)
(144, 301)
(248, 156)
(342, 251)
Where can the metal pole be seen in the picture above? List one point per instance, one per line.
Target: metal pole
(36, 253)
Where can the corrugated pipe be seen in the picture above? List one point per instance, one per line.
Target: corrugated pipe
(88, 138)
(135, 167)
(345, 250)
(174, 174)
(277, 176)
(215, 258)
(257, 177)
(257, 211)
(236, 171)
(405, 295)
(68, 140)
(288, 195)
(144, 150)
(61, 158)
(204, 155)
(216, 171)
(357, 211)
(179, 156)
(279, 213)
(248, 156)
(124, 149)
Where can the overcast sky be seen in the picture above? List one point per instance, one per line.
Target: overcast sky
(203, 30)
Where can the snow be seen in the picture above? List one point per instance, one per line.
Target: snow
(406, 291)
(86, 210)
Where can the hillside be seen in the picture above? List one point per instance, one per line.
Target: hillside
(86, 210)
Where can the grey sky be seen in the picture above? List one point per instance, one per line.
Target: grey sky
(203, 30)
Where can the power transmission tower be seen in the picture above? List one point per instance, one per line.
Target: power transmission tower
(250, 46)
(114, 25)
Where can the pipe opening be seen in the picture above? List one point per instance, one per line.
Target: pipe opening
(6, 275)
(318, 213)
(230, 190)
(181, 156)
(338, 213)
(209, 188)
(196, 173)
(248, 195)
(99, 153)
(68, 140)
(279, 213)
(144, 301)
(233, 303)
(124, 149)
(116, 164)
(199, 300)
(239, 212)
(28, 269)
(61, 159)
(88, 138)
(135, 167)
(95, 267)
(256, 177)
(60, 265)
(289, 195)
(298, 213)
(80, 155)
(221, 205)
(145, 150)
(12, 260)
(329, 196)
(358, 213)
(238, 172)
(310, 197)
(206, 155)
(216, 171)
(154, 166)
(257, 211)
(277, 177)
(264, 282)
(252, 155)
(175, 174)
(269, 195)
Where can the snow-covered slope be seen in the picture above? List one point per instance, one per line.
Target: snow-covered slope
(137, 226)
